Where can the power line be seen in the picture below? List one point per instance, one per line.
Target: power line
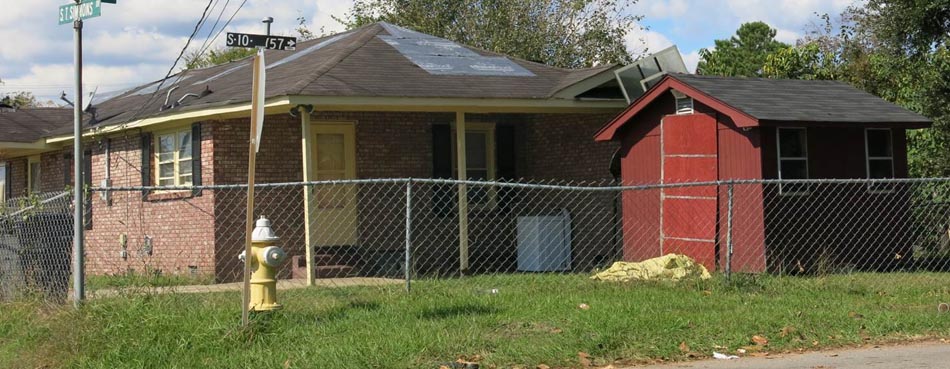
(208, 45)
(201, 21)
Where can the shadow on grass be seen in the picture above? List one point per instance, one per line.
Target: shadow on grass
(455, 311)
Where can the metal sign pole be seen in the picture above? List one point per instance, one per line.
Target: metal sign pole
(79, 289)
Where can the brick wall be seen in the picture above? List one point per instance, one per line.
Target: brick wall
(179, 225)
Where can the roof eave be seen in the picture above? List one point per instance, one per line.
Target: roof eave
(666, 83)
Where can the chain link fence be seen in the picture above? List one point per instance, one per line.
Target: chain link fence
(35, 247)
(396, 231)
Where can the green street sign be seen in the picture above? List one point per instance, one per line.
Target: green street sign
(86, 9)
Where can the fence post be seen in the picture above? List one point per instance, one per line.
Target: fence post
(729, 230)
(408, 269)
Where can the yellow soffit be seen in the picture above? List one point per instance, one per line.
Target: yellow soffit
(334, 103)
(273, 105)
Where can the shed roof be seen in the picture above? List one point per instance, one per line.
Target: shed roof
(377, 60)
(31, 124)
(756, 101)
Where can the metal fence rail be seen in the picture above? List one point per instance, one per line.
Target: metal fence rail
(35, 244)
(396, 231)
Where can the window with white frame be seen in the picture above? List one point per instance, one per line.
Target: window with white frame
(479, 159)
(33, 174)
(792, 146)
(879, 150)
(3, 182)
(173, 158)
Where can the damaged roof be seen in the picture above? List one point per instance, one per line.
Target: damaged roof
(378, 60)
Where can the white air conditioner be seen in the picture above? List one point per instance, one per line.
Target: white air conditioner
(544, 243)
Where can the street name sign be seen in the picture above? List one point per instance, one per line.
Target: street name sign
(262, 41)
(86, 9)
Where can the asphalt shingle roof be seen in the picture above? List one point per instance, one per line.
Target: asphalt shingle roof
(357, 63)
(29, 125)
(801, 100)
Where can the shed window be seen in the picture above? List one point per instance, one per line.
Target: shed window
(33, 175)
(173, 158)
(879, 148)
(792, 159)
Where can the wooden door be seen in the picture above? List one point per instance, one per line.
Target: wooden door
(333, 207)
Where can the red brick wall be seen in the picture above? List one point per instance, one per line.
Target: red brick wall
(180, 228)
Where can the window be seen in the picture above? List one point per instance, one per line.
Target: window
(173, 158)
(879, 150)
(3, 183)
(33, 174)
(479, 159)
(792, 159)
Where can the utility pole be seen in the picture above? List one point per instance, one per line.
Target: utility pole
(79, 269)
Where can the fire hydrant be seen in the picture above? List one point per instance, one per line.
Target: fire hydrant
(265, 258)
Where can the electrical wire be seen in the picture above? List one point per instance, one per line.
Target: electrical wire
(204, 17)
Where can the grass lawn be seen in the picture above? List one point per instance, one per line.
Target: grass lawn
(533, 319)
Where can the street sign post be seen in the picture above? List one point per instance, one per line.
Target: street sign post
(82, 10)
(261, 41)
(74, 14)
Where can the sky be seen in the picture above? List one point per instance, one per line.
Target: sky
(136, 41)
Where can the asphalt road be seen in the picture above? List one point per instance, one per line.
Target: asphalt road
(914, 356)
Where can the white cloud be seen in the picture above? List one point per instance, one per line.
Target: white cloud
(691, 59)
(666, 9)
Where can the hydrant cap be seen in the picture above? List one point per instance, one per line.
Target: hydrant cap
(263, 232)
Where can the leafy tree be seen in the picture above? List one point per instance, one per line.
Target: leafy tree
(742, 55)
(896, 49)
(562, 33)
(20, 99)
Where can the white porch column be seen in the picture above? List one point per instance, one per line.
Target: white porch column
(462, 191)
(307, 150)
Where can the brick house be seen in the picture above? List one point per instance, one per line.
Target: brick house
(380, 101)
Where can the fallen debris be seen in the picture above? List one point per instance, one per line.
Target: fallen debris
(670, 267)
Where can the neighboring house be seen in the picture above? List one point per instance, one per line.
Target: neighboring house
(699, 128)
(27, 164)
(386, 102)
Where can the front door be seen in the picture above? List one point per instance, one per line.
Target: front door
(333, 207)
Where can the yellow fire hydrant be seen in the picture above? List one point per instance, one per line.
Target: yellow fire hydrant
(265, 258)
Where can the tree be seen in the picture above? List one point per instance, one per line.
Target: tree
(20, 100)
(742, 55)
(896, 49)
(562, 33)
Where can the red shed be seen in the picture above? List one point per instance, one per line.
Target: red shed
(690, 128)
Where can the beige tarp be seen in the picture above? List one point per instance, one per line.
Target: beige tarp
(670, 267)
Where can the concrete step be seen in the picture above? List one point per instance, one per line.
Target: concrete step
(333, 271)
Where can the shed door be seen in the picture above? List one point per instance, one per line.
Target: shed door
(688, 214)
(333, 207)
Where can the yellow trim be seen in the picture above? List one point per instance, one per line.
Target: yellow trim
(277, 105)
(280, 105)
(3, 181)
(176, 160)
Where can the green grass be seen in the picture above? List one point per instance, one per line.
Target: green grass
(533, 319)
(132, 279)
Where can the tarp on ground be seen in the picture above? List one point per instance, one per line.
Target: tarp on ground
(670, 267)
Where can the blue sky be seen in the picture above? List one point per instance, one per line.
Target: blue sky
(136, 41)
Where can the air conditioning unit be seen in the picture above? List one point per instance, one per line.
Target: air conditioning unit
(544, 242)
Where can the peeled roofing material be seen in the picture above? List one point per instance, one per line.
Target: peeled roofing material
(440, 56)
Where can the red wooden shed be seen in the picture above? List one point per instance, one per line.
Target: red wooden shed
(691, 128)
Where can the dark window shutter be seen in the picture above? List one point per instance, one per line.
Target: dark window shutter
(196, 157)
(442, 168)
(87, 191)
(505, 158)
(146, 167)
